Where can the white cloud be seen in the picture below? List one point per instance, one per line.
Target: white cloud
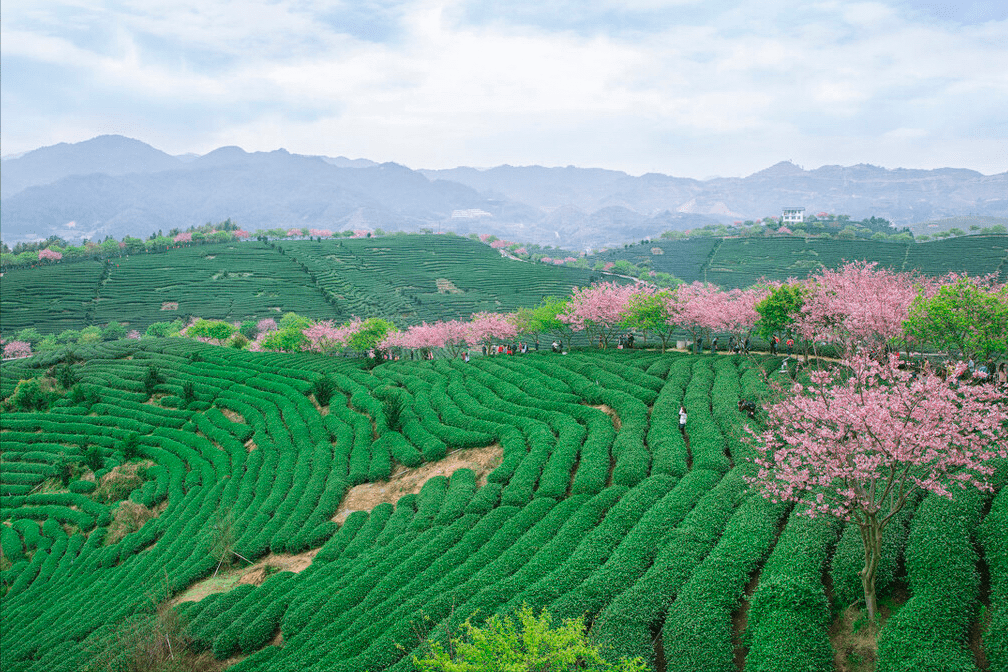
(706, 89)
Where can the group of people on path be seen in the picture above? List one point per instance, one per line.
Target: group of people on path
(775, 345)
(520, 348)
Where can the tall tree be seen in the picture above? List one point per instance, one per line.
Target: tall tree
(966, 316)
(862, 437)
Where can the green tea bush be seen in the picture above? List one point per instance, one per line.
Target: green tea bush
(942, 570)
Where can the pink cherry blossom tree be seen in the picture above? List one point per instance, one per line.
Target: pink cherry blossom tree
(485, 328)
(699, 308)
(600, 308)
(325, 337)
(184, 237)
(49, 255)
(426, 338)
(740, 316)
(857, 307)
(16, 349)
(862, 437)
(266, 325)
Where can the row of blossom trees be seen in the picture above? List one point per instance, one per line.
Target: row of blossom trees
(856, 441)
(862, 307)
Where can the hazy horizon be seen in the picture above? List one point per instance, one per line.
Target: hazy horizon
(184, 155)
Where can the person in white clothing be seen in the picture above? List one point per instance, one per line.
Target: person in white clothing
(682, 420)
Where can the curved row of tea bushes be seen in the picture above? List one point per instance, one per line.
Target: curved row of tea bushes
(532, 553)
(667, 445)
(698, 630)
(941, 565)
(596, 547)
(994, 542)
(375, 586)
(623, 628)
(707, 444)
(789, 614)
(724, 396)
(367, 639)
(635, 553)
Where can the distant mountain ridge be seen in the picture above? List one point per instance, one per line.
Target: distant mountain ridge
(112, 185)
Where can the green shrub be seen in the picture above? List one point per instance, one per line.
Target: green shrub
(323, 389)
(113, 332)
(152, 377)
(531, 644)
(31, 395)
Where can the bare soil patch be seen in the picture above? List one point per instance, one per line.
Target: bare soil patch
(232, 416)
(855, 639)
(169, 305)
(446, 286)
(253, 574)
(616, 423)
(406, 481)
(130, 517)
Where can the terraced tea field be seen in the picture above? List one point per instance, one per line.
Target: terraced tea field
(740, 262)
(596, 505)
(414, 279)
(405, 278)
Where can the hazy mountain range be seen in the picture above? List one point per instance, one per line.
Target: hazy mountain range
(112, 185)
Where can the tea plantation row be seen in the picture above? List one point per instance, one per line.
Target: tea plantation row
(619, 520)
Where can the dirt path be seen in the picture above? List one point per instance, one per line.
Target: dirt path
(405, 481)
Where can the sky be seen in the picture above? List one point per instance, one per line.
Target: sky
(682, 87)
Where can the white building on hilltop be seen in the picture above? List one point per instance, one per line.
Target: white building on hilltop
(793, 216)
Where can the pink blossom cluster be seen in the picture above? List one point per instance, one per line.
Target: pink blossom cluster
(266, 325)
(453, 336)
(49, 255)
(294, 233)
(546, 260)
(16, 349)
(487, 327)
(500, 244)
(184, 237)
(320, 233)
(521, 251)
(704, 309)
(133, 334)
(484, 237)
(565, 260)
(325, 337)
(857, 305)
(242, 234)
(361, 233)
(784, 230)
(857, 432)
(599, 308)
(122, 244)
(609, 265)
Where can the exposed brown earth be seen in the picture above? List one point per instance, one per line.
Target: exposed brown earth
(405, 481)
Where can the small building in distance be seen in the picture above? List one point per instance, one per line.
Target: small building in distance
(793, 216)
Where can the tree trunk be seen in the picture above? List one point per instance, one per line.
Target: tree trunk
(871, 535)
